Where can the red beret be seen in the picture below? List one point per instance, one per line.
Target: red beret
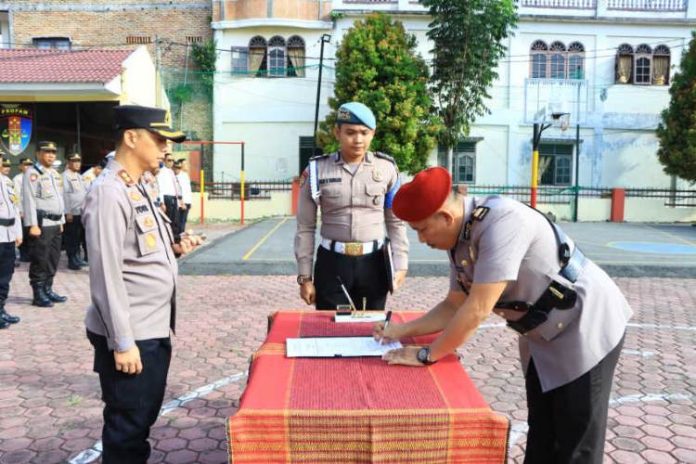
(423, 196)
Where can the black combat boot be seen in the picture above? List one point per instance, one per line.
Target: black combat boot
(6, 317)
(40, 298)
(53, 296)
(3, 324)
(74, 262)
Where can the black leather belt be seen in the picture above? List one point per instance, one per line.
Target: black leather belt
(52, 217)
(7, 222)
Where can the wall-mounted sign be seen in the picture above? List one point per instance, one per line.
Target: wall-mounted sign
(16, 121)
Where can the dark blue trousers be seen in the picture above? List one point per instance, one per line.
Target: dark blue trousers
(132, 402)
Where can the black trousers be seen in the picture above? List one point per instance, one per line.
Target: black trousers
(74, 233)
(44, 252)
(131, 402)
(183, 217)
(172, 205)
(567, 425)
(7, 261)
(364, 277)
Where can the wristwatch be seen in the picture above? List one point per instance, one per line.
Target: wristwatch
(424, 356)
(302, 279)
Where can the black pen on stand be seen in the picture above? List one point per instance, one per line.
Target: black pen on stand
(386, 324)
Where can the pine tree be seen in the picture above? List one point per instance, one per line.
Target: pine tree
(377, 65)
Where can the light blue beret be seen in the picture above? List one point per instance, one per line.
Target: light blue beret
(356, 113)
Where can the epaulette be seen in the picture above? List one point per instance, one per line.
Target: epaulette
(379, 154)
(125, 177)
(480, 212)
(318, 157)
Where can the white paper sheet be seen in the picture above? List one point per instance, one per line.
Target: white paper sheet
(336, 347)
(359, 317)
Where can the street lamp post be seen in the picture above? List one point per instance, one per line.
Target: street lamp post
(325, 38)
(577, 171)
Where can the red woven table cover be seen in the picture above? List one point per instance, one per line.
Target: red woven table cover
(359, 410)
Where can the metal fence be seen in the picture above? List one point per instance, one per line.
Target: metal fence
(253, 190)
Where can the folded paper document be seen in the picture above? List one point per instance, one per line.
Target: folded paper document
(336, 347)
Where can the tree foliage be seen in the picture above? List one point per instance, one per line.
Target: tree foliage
(468, 44)
(677, 130)
(377, 65)
(205, 56)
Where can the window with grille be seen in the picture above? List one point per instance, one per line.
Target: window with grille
(464, 161)
(240, 60)
(643, 66)
(45, 43)
(557, 61)
(194, 39)
(555, 163)
(138, 39)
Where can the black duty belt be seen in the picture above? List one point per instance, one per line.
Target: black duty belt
(52, 217)
(7, 222)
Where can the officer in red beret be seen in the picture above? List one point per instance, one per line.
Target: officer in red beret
(508, 258)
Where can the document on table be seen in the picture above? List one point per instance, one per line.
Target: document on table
(336, 347)
(357, 316)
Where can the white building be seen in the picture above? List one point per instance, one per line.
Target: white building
(608, 63)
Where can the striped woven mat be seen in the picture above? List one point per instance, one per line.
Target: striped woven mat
(358, 410)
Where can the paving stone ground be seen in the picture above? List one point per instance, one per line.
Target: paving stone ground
(50, 409)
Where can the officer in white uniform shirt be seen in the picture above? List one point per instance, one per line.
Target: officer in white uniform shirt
(24, 164)
(170, 192)
(508, 258)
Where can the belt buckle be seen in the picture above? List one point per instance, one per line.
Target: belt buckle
(354, 249)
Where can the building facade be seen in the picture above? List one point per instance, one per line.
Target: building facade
(608, 63)
(167, 29)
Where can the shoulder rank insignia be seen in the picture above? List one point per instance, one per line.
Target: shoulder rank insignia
(379, 154)
(480, 213)
(318, 157)
(125, 177)
(467, 230)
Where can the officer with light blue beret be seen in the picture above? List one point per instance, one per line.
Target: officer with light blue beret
(354, 188)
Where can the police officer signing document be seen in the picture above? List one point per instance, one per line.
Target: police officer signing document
(42, 203)
(508, 258)
(132, 275)
(355, 189)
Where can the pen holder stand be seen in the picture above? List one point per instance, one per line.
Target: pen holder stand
(343, 310)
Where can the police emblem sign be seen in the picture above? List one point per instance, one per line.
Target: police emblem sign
(16, 122)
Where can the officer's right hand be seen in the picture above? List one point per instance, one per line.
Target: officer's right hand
(394, 332)
(69, 218)
(308, 292)
(128, 361)
(35, 231)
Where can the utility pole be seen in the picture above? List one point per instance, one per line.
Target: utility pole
(325, 38)
(158, 77)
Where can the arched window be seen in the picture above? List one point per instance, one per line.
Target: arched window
(538, 58)
(558, 61)
(258, 61)
(624, 64)
(661, 57)
(296, 56)
(643, 65)
(576, 61)
(276, 57)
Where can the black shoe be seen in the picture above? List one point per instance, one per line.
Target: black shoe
(25, 259)
(4, 316)
(3, 324)
(53, 296)
(40, 298)
(81, 262)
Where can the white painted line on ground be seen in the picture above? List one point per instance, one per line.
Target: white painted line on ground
(662, 327)
(643, 354)
(93, 453)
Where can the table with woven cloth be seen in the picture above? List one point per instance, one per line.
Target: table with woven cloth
(358, 410)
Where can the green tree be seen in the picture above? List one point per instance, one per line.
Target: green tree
(468, 43)
(677, 130)
(205, 56)
(377, 65)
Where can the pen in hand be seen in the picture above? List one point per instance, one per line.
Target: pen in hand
(386, 324)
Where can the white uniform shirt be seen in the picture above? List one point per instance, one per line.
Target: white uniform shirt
(167, 183)
(18, 189)
(185, 182)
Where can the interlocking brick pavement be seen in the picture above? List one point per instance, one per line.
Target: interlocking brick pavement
(50, 409)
